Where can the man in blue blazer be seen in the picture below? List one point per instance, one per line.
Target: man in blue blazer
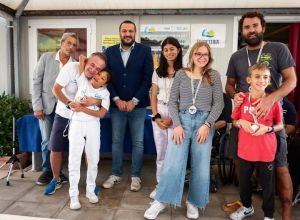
(131, 65)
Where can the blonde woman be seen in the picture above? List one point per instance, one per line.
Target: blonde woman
(195, 103)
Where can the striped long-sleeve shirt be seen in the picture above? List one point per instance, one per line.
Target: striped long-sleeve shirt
(209, 98)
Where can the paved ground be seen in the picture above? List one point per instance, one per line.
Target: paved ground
(24, 198)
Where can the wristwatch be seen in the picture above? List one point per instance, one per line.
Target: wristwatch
(67, 105)
(135, 101)
(272, 129)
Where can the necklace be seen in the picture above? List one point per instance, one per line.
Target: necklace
(167, 89)
(258, 56)
(254, 126)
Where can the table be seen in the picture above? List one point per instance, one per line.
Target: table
(29, 135)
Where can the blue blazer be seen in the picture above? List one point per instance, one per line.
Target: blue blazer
(133, 80)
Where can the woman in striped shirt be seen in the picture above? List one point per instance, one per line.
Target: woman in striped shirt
(195, 103)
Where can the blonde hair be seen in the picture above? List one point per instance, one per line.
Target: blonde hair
(260, 67)
(191, 66)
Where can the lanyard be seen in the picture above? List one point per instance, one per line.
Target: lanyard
(258, 56)
(167, 89)
(251, 108)
(197, 89)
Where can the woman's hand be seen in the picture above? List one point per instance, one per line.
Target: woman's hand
(202, 134)
(167, 122)
(163, 123)
(178, 135)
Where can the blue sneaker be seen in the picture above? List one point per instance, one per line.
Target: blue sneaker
(97, 190)
(52, 186)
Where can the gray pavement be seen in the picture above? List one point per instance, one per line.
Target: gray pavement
(24, 198)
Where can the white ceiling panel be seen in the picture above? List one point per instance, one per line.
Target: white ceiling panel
(146, 4)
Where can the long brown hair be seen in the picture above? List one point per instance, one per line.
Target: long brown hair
(191, 66)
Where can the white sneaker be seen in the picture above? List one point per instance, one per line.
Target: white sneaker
(74, 203)
(153, 194)
(135, 184)
(241, 213)
(111, 181)
(92, 197)
(267, 218)
(191, 211)
(155, 208)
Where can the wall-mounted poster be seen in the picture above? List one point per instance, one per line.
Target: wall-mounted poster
(109, 40)
(154, 34)
(214, 34)
(48, 40)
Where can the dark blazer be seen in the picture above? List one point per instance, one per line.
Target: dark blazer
(134, 80)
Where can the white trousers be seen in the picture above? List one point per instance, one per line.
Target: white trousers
(161, 138)
(83, 135)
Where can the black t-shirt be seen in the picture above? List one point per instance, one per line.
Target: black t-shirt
(276, 55)
(289, 112)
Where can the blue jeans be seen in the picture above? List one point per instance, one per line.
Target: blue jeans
(136, 121)
(171, 184)
(46, 127)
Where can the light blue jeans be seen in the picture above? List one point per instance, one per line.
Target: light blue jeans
(171, 184)
(46, 127)
(136, 121)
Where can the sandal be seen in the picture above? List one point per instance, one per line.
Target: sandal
(232, 206)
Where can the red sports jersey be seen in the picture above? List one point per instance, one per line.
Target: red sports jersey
(257, 148)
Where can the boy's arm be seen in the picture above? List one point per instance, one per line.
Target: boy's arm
(82, 61)
(89, 101)
(96, 113)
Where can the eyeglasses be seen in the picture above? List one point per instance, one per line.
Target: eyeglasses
(201, 55)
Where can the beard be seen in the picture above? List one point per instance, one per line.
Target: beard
(254, 41)
(126, 42)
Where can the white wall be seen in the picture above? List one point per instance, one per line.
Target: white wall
(110, 24)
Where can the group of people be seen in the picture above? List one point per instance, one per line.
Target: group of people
(186, 103)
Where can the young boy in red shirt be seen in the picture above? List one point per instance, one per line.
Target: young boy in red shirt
(256, 143)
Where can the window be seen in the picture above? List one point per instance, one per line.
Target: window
(44, 36)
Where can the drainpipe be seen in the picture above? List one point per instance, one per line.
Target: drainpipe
(16, 51)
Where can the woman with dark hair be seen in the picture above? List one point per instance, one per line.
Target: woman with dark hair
(162, 79)
(195, 103)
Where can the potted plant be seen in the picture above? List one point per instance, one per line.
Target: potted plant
(10, 105)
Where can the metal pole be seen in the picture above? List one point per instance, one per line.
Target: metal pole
(16, 51)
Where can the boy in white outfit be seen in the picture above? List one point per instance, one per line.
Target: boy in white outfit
(85, 133)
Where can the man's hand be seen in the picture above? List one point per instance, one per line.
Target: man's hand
(263, 107)
(39, 115)
(238, 99)
(122, 105)
(130, 106)
(88, 101)
(76, 106)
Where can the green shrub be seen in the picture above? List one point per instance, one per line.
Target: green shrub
(8, 105)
